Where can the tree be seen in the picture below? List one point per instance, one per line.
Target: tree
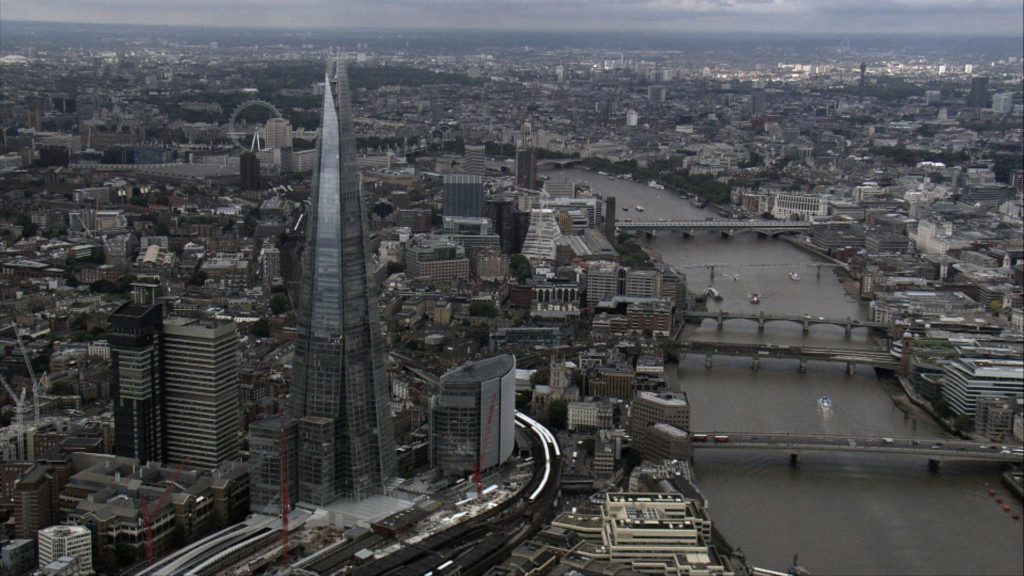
(261, 328)
(964, 423)
(483, 308)
(941, 406)
(383, 209)
(279, 303)
(124, 553)
(523, 400)
(520, 267)
(996, 306)
(558, 413)
(539, 377)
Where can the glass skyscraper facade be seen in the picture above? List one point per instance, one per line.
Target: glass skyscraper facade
(340, 392)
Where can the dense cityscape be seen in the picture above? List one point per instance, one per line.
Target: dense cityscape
(373, 302)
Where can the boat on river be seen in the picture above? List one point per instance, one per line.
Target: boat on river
(794, 276)
(825, 403)
(713, 293)
(755, 298)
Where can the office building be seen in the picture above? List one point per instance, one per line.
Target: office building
(978, 97)
(656, 94)
(993, 416)
(473, 160)
(339, 356)
(510, 223)
(278, 133)
(539, 244)
(803, 206)
(632, 118)
(526, 159)
(136, 371)
(560, 188)
(265, 461)
(436, 259)
(758, 102)
(472, 417)
(609, 219)
(1002, 102)
(463, 195)
(590, 415)
(18, 557)
(74, 541)
(270, 264)
(201, 381)
(35, 501)
(249, 166)
(970, 379)
(659, 423)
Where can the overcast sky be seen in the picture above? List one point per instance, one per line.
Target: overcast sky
(987, 17)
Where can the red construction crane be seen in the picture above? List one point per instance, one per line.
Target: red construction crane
(148, 515)
(483, 444)
(284, 486)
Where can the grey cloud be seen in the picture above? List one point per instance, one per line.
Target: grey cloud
(843, 16)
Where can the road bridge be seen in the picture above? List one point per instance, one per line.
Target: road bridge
(558, 162)
(769, 228)
(936, 450)
(806, 321)
(757, 351)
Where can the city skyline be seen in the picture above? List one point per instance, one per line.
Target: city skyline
(980, 17)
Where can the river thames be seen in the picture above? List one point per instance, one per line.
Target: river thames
(841, 513)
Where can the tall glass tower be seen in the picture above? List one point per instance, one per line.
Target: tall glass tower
(340, 390)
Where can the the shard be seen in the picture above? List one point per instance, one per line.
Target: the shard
(339, 394)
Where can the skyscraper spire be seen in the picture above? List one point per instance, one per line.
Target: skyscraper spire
(340, 390)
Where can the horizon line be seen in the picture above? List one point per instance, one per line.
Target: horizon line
(561, 30)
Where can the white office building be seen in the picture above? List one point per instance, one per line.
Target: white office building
(968, 379)
(58, 541)
(804, 206)
(539, 245)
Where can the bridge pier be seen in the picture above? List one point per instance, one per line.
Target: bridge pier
(721, 320)
(934, 465)
(850, 368)
(711, 275)
(794, 460)
(707, 360)
(817, 273)
(849, 327)
(728, 233)
(760, 322)
(806, 324)
(755, 363)
(803, 366)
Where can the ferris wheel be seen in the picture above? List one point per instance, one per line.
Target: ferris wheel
(241, 135)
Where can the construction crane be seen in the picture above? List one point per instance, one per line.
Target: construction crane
(483, 445)
(31, 374)
(284, 483)
(19, 418)
(149, 514)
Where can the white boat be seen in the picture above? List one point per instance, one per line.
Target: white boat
(654, 184)
(639, 208)
(825, 403)
(794, 276)
(712, 293)
(755, 298)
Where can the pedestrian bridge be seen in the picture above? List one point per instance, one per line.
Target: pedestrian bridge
(936, 450)
(806, 321)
